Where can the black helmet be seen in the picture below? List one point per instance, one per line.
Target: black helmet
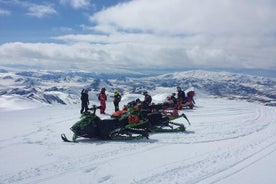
(178, 88)
(145, 92)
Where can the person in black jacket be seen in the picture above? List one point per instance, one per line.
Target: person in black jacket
(180, 94)
(147, 99)
(117, 99)
(84, 101)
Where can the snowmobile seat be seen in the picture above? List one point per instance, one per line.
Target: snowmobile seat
(154, 118)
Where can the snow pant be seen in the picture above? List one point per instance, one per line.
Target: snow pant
(84, 107)
(103, 107)
(116, 105)
(180, 104)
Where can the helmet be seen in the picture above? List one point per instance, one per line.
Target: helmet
(145, 92)
(178, 88)
(116, 92)
(173, 94)
(85, 90)
(103, 89)
(137, 100)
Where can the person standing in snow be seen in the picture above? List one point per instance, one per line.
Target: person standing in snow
(117, 99)
(84, 101)
(147, 99)
(180, 97)
(102, 98)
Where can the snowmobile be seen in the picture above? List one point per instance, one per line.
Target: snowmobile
(158, 119)
(165, 123)
(91, 126)
(162, 120)
(189, 101)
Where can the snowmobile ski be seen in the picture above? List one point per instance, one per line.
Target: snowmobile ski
(169, 128)
(128, 134)
(65, 139)
(184, 116)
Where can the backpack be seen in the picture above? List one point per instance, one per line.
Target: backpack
(118, 98)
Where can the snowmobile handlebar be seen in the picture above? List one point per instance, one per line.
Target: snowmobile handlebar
(94, 108)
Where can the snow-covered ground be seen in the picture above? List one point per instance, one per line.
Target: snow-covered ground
(228, 142)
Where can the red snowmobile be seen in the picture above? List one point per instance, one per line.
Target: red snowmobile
(189, 101)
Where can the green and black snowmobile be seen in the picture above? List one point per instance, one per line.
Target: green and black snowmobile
(91, 126)
(155, 117)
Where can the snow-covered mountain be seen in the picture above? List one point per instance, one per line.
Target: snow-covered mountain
(64, 88)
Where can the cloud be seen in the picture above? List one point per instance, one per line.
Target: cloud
(4, 12)
(162, 34)
(211, 33)
(188, 33)
(56, 56)
(222, 22)
(191, 16)
(47, 55)
(33, 9)
(76, 4)
(40, 10)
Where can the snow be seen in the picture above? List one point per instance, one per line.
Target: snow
(228, 142)
(10, 103)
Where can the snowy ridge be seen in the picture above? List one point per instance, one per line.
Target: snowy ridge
(64, 88)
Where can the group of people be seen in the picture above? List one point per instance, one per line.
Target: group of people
(102, 97)
(181, 99)
(177, 100)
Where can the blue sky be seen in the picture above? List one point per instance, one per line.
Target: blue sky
(138, 35)
(38, 21)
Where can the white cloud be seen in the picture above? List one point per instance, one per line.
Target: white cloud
(76, 4)
(191, 16)
(4, 12)
(40, 10)
(163, 34)
(33, 9)
(214, 33)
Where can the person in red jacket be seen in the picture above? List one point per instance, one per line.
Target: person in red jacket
(102, 98)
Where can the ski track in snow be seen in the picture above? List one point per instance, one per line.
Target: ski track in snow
(224, 138)
(214, 163)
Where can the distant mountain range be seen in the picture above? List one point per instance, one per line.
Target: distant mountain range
(64, 87)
